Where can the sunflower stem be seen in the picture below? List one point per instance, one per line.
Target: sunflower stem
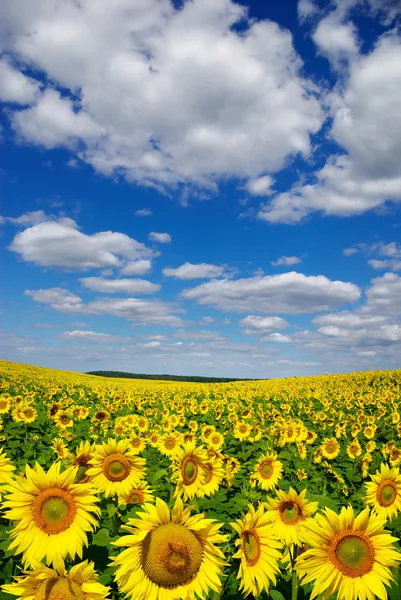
(294, 583)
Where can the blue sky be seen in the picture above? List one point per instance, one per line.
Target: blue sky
(201, 187)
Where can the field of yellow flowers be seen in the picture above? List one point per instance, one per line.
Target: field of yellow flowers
(281, 489)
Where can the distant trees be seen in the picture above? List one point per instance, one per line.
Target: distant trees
(194, 378)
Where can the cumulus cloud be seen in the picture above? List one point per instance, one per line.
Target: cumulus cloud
(162, 238)
(15, 86)
(291, 293)
(119, 286)
(335, 40)
(38, 216)
(191, 99)
(190, 271)
(143, 212)
(90, 336)
(255, 325)
(261, 186)
(138, 267)
(141, 312)
(277, 338)
(62, 245)
(367, 125)
(286, 261)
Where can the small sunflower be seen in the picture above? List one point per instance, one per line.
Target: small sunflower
(52, 515)
(384, 492)
(169, 555)
(214, 473)
(348, 555)
(115, 468)
(354, 449)
(49, 584)
(170, 443)
(140, 494)
(290, 512)
(258, 551)
(267, 472)
(83, 455)
(330, 448)
(188, 473)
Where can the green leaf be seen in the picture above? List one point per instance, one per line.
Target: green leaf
(276, 595)
(101, 538)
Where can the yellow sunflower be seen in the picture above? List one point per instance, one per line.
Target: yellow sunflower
(330, 448)
(290, 512)
(349, 555)
(115, 468)
(188, 474)
(383, 493)
(51, 513)
(214, 473)
(48, 584)
(170, 443)
(140, 494)
(169, 555)
(258, 551)
(83, 455)
(267, 472)
(6, 469)
(354, 449)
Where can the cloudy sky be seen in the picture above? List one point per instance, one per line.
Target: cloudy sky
(201, 187)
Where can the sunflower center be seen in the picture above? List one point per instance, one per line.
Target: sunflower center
(251, 546)
(116, 467)
(331, 448)
(169, 444)
(352, 553)
(171, 555)
(59, 589)
(136, 497)
(189, 470)
(208, 472)
(82, 477)
(54, 510)
(290, 513)
(266, 469)
(386, 493)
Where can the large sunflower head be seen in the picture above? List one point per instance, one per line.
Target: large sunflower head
(348, 554)
(115, 468)
(267, 472)
(258, 551)
(52, 515)
(169, 555)
(290, 512)
(330, 448)
(188, 473)
(48, 584)
(384, 492)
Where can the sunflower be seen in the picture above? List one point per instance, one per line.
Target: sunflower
(354, 449)
(383, 493)
(188, 473)
(52, 513)
(137, 444)
(60, 448)
(5, 405)
(170, 443)
(140, 494)
(267, 472)
(258, 551)
(290, 512)
(215, 440)
(83, 455)
(48, 584)
(349, 555)
(242, 431)
(169, 555)
(29, 414)
(6, 469)
(115, 468)
(214, 473)
(330, 448)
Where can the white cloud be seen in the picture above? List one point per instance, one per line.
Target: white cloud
(391, 250)
(62, 245)
(190, 271)
(143, 212)
(162, 238)
(261, 186)
(191, 99)
(119, 286)
(285, 293)
(277, 338)
(38, 216)
(286, 261)
(383, 296)
(150, 345)
(14, 86)
(367, 124)
(333, 331)
(89, 336)
(208, 319)
(335, 40)
(254, 324)
(138, 267)
(142, 312)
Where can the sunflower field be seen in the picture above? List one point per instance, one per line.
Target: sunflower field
(282, 489)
